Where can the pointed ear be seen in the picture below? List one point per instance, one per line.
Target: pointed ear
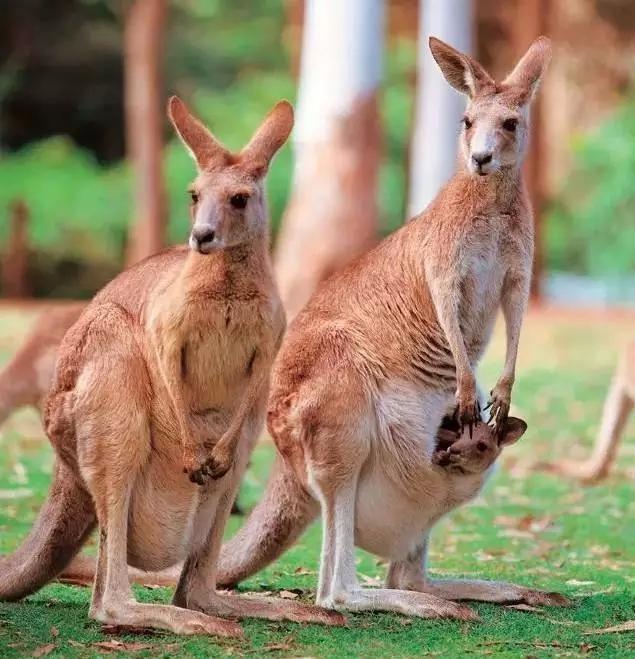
(202, 145)
(463, 72)
(528, 72)
(270, 136)
(513, 429)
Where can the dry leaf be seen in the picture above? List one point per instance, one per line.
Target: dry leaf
(55, 632)
(523, 607)
(43, 650)
(628, 626)
(302, 570)
(287, 595)
(120, 646)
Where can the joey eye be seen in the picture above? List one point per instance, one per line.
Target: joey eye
(481, 446)
(510, 125)
(193, 196)
(239, 200)
(467, 123)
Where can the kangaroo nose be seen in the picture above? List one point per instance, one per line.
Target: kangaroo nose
(481, 159)
(202, 239)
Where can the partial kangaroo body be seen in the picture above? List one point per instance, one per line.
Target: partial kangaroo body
(369, 368)
(158, 397)
(618, 405)
(26, 379)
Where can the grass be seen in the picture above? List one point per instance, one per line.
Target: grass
(528, 527)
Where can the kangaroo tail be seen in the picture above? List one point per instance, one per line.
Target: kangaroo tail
(63, 524)
(283, 513)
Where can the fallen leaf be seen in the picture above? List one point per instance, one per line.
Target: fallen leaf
(287, 595)
(524, 607)
(628, 626)
(43, 650)
(54, 632)
(121, 646)
(575, 582)
(302, 570)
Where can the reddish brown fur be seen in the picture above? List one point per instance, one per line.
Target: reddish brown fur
(166, 371)
(368, 368)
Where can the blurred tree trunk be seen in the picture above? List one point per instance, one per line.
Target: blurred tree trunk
(438, 107)
(332, 215)
(531, 22)
(143, 52)
(15, 264)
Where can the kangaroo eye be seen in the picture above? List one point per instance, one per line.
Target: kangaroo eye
(467, 123)
(239, 200)
(193, 196)
(510, 124)
(481, 446)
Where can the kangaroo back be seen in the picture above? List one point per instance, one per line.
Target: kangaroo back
(283, 513)
(63, 524)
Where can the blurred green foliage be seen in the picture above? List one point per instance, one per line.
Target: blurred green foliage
(591, 223)
(81, 211)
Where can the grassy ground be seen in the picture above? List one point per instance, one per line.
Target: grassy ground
(528, 527)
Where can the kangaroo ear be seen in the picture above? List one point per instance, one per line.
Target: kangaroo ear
(202, 145)
(463, 72)
(528, 72)
(513, 429)
(270, 136)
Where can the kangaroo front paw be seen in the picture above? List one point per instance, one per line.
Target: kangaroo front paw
(499, 404)
(211, 469)
(468, 410)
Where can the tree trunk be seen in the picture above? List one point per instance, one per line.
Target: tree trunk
(143, 51)
(332, 215)
(438, 107)
(531, 22)
(15, 265)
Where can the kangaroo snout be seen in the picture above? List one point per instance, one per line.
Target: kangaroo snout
(204, 239)
(480, 161)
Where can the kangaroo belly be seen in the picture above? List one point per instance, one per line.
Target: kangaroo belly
(388, 522)
(162, 520)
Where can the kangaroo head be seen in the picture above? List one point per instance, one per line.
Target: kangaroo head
(495, 128)
(473, 455)
(227, 197)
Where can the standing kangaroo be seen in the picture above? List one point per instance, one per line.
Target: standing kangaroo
(368, 368)
(167, 372)
(618, 405)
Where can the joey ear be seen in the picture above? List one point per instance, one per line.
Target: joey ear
(528, 72)
(463, 72)
(270, 136)
(513, 429)
(199, 141)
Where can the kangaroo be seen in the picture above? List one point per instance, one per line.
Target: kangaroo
(461, 454)
(26, 379)
(158, 396)
(369, 367)
(619, 402)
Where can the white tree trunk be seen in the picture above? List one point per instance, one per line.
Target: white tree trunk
(438, 107)
(332, 214)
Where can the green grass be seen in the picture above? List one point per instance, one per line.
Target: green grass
(528, 527)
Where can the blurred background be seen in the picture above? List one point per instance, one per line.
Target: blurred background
(88, 162)
(92, 178)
